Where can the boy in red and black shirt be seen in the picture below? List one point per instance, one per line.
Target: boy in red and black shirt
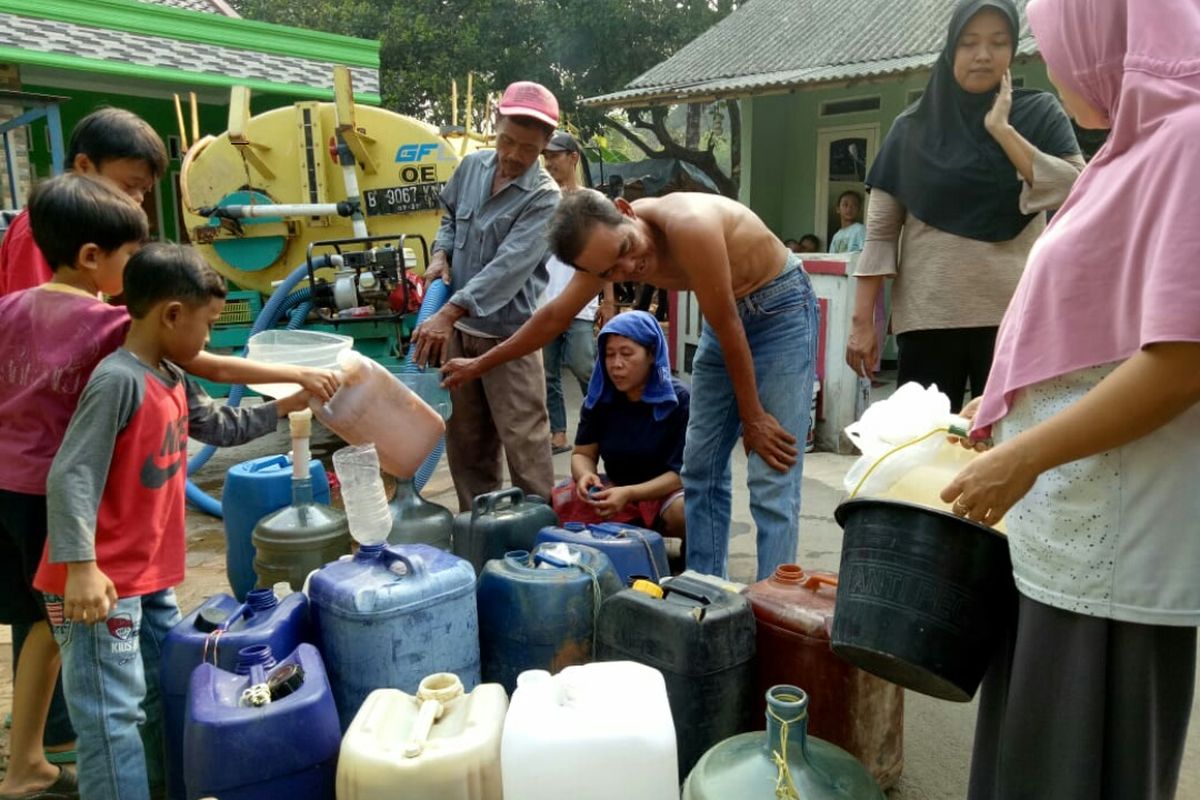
(116, 544)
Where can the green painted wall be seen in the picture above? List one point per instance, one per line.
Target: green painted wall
(779, 178)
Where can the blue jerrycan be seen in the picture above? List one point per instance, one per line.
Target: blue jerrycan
(389, 616)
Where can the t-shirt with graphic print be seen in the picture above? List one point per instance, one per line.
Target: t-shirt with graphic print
(115, 493)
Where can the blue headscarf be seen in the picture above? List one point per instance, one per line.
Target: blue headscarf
(644, 329)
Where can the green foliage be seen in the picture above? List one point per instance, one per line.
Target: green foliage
(578, 48)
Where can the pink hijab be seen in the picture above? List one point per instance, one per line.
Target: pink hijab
(1118, 268)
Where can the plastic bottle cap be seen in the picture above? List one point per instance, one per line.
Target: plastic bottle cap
(301, 423)
(648, 587)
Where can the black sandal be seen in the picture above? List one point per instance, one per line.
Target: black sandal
(65, 787)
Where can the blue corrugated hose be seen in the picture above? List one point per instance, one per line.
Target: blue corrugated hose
(436, 295)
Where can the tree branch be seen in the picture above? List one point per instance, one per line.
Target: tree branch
(735, 141)
(634, 138)
(657, 124)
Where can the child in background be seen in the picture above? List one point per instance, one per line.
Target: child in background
(116, 541)
(52, 338)
(115, 144)
(850, 237)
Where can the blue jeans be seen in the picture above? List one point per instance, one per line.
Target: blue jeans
(574, 348)
(780, 321)
(110, 678)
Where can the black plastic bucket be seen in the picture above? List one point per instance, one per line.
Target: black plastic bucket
(924, 597)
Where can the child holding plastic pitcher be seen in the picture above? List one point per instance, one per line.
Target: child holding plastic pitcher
(116, 544)
(1094, 401)
(52, 337)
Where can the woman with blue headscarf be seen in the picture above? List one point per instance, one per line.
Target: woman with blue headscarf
(634, 419)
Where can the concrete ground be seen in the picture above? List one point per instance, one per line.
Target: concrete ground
(938, 734)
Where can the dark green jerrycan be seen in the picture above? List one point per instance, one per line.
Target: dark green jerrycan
(701, 636)
(500, 522)
(538, 610)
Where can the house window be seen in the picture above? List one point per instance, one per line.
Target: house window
(1018, 81)
(913, 96)
(173, 148)
(854, 105)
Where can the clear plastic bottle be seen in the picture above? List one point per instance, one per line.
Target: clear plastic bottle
(367, 510)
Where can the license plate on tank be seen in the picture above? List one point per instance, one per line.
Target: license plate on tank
(403, 199)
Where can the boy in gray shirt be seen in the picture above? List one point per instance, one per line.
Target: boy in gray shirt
(116, 546)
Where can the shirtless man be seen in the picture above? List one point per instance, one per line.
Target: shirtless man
(753, 371)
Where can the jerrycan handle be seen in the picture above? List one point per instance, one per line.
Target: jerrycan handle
(670, 588)
(486, 503)
(435, 693)
(415, 566)
(381, 552)
(541, 558)
(815, 582)
(607, 530)
(271, 463)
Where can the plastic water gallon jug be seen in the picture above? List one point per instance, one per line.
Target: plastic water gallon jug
(591, 732)
(415, 520)
(214, 633)
(500, 522)
(303, 536)
(633, 551)
(389, 616)
(784, 762)
(848, 707)
(269, 730)
(538, 611)
(254, 489)
(372, 405)
(701, 637)
(441, 744)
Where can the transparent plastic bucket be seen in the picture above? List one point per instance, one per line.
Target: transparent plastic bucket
(315, 349)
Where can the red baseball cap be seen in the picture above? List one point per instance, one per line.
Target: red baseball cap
(529, 99)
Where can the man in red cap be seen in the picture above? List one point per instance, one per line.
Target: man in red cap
(491, 250)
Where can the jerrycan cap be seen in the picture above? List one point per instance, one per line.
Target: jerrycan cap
(647, 587)
(574, 527)
(285, 680)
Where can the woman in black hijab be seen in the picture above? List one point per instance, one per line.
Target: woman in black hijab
(957, 195)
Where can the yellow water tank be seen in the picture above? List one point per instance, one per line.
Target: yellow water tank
(289, 156)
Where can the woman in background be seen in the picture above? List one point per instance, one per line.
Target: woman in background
(957, 195)
(634, 419)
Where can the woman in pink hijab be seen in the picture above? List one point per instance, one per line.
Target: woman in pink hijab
(1093, 401)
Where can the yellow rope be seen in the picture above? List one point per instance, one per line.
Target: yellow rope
(892, 452)
(785, 787)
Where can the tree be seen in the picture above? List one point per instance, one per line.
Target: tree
(577, 48)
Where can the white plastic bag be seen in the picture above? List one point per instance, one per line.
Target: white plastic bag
(908, 423)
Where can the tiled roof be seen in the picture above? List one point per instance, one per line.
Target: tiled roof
(771, 45)
(65, 38)
(207, 6)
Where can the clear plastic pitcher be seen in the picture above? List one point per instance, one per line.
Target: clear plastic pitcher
(372, 405)
(297, 348)
(367, 510)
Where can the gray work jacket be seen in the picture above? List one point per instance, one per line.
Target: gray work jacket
(496, 245)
